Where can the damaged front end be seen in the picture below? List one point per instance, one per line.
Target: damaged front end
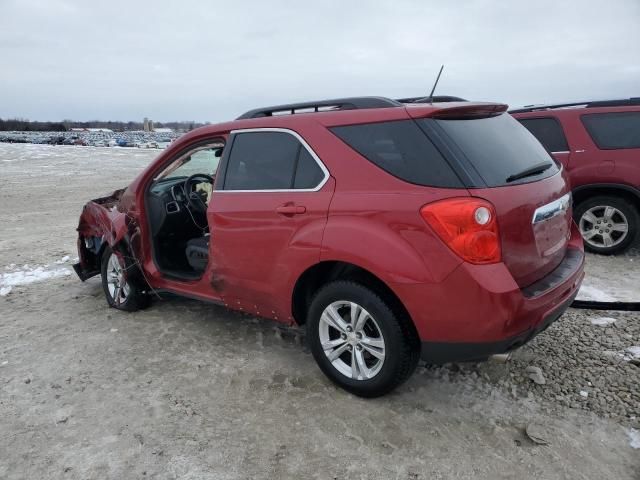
(101, 224)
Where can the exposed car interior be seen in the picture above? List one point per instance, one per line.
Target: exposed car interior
(177, 202)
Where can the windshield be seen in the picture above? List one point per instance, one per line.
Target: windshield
(500, 149)
(203, 160)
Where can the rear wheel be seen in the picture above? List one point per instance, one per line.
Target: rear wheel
(120, 291)
(608, 224)
(358, 341)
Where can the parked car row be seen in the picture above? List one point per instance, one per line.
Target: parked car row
(95, 139)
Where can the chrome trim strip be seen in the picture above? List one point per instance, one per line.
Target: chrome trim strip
(304, 144)
(552, 209)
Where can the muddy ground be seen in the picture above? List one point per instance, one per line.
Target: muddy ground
(189, 390)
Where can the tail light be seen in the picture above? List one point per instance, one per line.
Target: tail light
(468, 226)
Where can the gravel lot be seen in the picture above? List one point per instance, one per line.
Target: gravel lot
(189, 390)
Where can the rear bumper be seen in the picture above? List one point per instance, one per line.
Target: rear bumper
(480, 310)
(442, 352)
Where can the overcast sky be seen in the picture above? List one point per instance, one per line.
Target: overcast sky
(210, 61)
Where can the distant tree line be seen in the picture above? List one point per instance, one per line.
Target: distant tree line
(20, 124)
(24, 125)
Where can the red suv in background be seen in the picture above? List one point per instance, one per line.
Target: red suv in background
(599, 145)
(390, 230)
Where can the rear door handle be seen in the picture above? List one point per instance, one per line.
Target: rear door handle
(291, 209)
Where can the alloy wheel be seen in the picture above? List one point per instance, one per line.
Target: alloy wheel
(352, 340)
(116, 282)
(603, 226)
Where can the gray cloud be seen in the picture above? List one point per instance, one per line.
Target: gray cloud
(200, 60)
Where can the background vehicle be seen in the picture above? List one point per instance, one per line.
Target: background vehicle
(390, 230)
(599, 145)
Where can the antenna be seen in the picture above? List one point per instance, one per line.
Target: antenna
(435, 85)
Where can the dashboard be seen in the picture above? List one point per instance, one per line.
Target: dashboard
(169, 205)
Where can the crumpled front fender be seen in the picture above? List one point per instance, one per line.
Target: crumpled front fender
(101, 224)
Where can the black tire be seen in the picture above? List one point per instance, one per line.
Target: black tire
(135, 299)
(627, 209)
(401, 345)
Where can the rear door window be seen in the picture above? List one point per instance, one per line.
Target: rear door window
(402, 149)
(548, 131)
(611, 131)
(267, 160)
(308, 173)
(498, 148)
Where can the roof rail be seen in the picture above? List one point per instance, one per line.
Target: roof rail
(353, 103)
(434, 99)
(587, 104)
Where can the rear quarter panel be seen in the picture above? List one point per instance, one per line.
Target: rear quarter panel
(384, 233)
(374, 218)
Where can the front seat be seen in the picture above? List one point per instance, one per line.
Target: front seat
(197, 252)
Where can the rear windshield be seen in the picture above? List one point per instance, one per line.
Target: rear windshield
(499, 149)
(611, 131)
(402, 149)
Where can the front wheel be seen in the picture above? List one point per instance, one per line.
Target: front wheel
(358, 341)
(608, 224)
(120, 291)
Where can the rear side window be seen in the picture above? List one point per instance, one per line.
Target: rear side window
(499, 148)
(548, 131)
(270, 161)
(611, 131)
(402, 149)
(308, 173)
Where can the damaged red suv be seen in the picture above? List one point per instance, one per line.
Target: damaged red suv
(393, 231)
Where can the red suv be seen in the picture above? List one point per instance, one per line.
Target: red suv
(599, 145)
(390, 230)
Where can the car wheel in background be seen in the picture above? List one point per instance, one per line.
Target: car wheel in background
(358, 341)
(608, 224)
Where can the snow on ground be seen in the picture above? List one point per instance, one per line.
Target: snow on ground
(634, 437)
(602, 321)
(190, 374)
(28, 274)
(611, 278)
(633, 352)
(25, 161)
(590, 292)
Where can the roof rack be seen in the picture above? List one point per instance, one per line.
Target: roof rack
(434, 99)
(353, 103)
(587, 104)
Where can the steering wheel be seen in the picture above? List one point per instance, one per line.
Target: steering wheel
(194, 199)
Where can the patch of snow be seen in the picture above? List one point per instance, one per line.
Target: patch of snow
(602, 321)
(113, 330)
(589, 292)
(634, 352)
(64, 259)
(584, 394)
(634, 437)
(28, 275)
(600, 285)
